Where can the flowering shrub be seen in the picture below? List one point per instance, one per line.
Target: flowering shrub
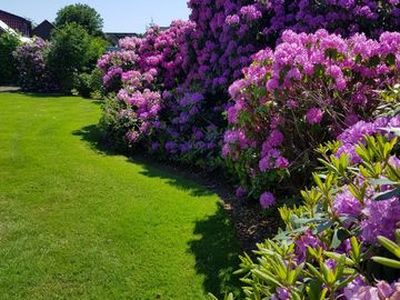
(229, 32)
(190, 131)
(33, 69)
(342, 242)
(160, 52)
(306, 91)
(141, 71)
(204, 56)
(166, 119)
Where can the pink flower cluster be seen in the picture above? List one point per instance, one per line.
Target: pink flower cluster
(142, 70)
(163, 51)
(306, 91)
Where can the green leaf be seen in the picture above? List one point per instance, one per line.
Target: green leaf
(391, 59)
(266, 277)
(328, 274)
(383, 181)
(387, 195)
(323, 294)
(338, 257)
(387, 262)
(389, 245)
(313, 290)
(355, 249)
(339, 235)
(315, 272)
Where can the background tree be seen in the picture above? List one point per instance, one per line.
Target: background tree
(81, 14)
(69, 54)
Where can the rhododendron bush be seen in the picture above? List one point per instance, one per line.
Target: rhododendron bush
(34, 72)
(291, 99)
(201, 58)
(343, 241)
(230, 31)
(149, 106)
(160, 54)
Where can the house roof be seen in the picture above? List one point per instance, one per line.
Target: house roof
(15, 16)
(5, 28)
(43, 30)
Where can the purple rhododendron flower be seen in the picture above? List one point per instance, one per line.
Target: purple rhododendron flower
(305, 241)
(241, 192)
(314, 116)
(346, 204)
(267, 200)
(359, 290)
(381, 218)
(281, 294)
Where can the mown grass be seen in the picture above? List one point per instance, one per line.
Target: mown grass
(76, 223)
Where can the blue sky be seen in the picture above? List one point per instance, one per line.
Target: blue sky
(118, 15)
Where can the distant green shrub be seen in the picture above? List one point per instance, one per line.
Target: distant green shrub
(97, 47)
(69, 54)
(89, 85)
(8, 44)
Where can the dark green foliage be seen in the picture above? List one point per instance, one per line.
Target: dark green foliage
(114, 124)
(89, 85)
(98, 46)
(81, 14)
(8, 72)
(69, 54)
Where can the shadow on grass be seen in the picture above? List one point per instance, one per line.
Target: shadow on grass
(45, 96)
(172, 177)
(216, 253)
(216, 249)
(95, 138)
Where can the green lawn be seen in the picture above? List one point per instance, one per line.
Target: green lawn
(76, 223)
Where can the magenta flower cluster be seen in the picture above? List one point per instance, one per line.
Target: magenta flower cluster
(160, 52)
(306, 91)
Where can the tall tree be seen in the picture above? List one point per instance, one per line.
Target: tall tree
(81, 14)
